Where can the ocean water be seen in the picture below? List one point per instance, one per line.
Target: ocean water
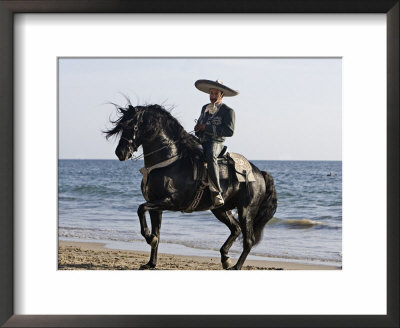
(98, 200)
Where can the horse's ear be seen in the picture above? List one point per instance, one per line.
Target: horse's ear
(121, 110)
(130, 107)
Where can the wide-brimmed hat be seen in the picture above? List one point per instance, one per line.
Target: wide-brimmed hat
(206, 85)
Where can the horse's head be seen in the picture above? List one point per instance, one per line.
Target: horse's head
(129, 141)
(141, 124)
(130, 125)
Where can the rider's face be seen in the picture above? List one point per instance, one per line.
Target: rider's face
(215, 96)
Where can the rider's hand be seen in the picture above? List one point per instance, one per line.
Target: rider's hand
(199, 127)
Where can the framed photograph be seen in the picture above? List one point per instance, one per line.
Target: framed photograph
(339, 57)
(97, 208)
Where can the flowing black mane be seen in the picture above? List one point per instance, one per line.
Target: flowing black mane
(156, 118)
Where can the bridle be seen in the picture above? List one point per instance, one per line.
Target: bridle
(132, 145)
(131, 142)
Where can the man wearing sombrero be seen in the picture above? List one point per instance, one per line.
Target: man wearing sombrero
(216, 122)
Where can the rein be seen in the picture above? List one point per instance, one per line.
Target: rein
(142, 155)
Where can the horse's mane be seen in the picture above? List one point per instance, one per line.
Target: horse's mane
(125, 114)
(159, 119)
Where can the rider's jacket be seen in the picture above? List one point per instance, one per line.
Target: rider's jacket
(218, 126)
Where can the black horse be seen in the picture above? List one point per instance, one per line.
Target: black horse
(170, 157)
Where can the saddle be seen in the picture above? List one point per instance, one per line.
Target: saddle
(241, 167)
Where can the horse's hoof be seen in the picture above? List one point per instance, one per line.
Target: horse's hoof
(154, 242)
(233, 268)
(147, 266)
(227, 264)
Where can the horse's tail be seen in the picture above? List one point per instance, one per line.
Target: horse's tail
(267, 208)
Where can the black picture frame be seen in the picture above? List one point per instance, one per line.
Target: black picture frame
(10, 7)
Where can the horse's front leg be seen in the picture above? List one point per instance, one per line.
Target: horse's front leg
(152, 238)
(155, 217)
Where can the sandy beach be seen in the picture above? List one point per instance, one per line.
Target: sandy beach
(94, 256)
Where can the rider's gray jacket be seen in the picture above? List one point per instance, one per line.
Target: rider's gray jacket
(218, 126)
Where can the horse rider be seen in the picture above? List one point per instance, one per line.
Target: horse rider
(216, 122)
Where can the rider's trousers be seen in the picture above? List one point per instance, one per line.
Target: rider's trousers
(211, 152)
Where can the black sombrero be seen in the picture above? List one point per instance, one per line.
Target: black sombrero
(206, 85)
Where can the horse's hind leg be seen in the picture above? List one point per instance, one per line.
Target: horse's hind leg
(246, 216)
(155, 217)
(227, 218)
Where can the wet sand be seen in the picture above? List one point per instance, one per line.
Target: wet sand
(94, 256)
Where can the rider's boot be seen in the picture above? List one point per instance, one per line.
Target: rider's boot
(218, 200)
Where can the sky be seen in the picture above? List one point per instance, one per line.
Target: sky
(287, 108)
